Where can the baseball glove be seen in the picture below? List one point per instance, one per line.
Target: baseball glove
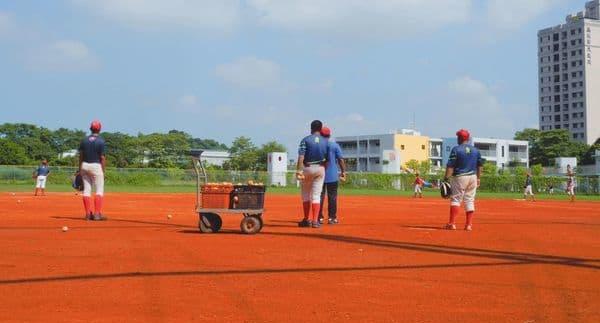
(445, 190)
(78, 183)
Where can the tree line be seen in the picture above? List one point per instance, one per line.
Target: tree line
(545, 146)
(27, 144)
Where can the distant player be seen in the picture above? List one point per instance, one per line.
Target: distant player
(463, 170)
(41, 177)
(312, 159)
(419, 183)
(334, 171)
(551, 189)
(529, 188)
(92, 164)
(571, 183)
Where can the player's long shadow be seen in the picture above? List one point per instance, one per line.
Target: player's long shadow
(529, 258)
(128, 221)
(248, 272)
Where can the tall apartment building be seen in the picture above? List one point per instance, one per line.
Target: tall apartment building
(569, 75)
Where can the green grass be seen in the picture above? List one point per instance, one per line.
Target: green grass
(284, 190)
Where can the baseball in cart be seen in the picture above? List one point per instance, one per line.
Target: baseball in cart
(214, 199)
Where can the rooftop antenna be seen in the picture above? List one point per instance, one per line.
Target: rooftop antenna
(413, 124)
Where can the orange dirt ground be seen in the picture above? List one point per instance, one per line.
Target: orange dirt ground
(386, 262)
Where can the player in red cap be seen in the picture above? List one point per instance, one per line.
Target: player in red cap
(92, 163)
(463, 170)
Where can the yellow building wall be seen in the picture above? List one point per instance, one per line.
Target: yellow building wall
(412, 147)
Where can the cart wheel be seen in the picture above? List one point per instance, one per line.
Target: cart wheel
(209, 222)
(251, 224)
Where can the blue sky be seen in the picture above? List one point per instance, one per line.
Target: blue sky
(265, 68)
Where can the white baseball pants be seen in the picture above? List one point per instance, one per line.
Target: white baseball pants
(92, 176)
(312, 185)
(41, 182)
(464, 189)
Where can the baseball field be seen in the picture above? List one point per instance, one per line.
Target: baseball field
(387, 261)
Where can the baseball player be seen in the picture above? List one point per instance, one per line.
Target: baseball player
(312, 159)
(92, 163)
(419, 183)
(41, 176)
(330, 187)
(463, 170)
(529, 188)
(570, 183)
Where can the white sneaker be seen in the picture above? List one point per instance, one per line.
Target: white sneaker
(469, 228)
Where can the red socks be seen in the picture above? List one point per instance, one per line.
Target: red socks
(315, 212)
(470, 218)
(306, 208)
(454, 210)
(87, 204)
(98, 203)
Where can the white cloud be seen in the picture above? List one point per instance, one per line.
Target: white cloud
(250, 72)
(7, 24)
(355, 117)
(512, 14)
(63, 55)
(221, 15)
(360, 18)
(188, 100)
(469, 103)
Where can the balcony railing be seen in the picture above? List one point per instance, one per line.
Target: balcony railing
(488, 153)
(517, 155)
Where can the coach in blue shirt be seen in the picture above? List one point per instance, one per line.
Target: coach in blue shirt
(335, 170)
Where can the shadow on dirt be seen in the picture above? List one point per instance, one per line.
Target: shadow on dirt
(245, 272)
(451, 250)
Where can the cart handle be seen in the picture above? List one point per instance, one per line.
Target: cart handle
(200, 174)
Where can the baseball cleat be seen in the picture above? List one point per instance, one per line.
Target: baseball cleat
(316, 224)
(469, 228)
(333, 221)
(89, 217)
(99, 217)
(450, 227)
(321, 220)
(304, 223)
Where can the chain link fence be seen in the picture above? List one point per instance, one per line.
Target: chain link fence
(501, 183)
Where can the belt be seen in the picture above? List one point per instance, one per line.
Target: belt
(315, 163)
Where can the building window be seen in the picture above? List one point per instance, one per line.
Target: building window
(423, 147)
(402, 147)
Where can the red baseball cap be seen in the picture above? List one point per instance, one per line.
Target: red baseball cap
(96, 126)
(325, 132)
(463, 134)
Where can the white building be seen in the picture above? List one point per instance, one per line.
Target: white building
(215, 157)
(569, 75)
(389, 153)
(277, 168)
(500, 152)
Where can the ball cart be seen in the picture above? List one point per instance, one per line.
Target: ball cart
(246, 200)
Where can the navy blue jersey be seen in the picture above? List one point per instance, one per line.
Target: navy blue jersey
(92, 148)
(315, 149)
(335, 154)
(528, 181)
(43, 170)
(465, 159)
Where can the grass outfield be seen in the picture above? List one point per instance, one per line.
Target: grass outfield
(286, 190)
